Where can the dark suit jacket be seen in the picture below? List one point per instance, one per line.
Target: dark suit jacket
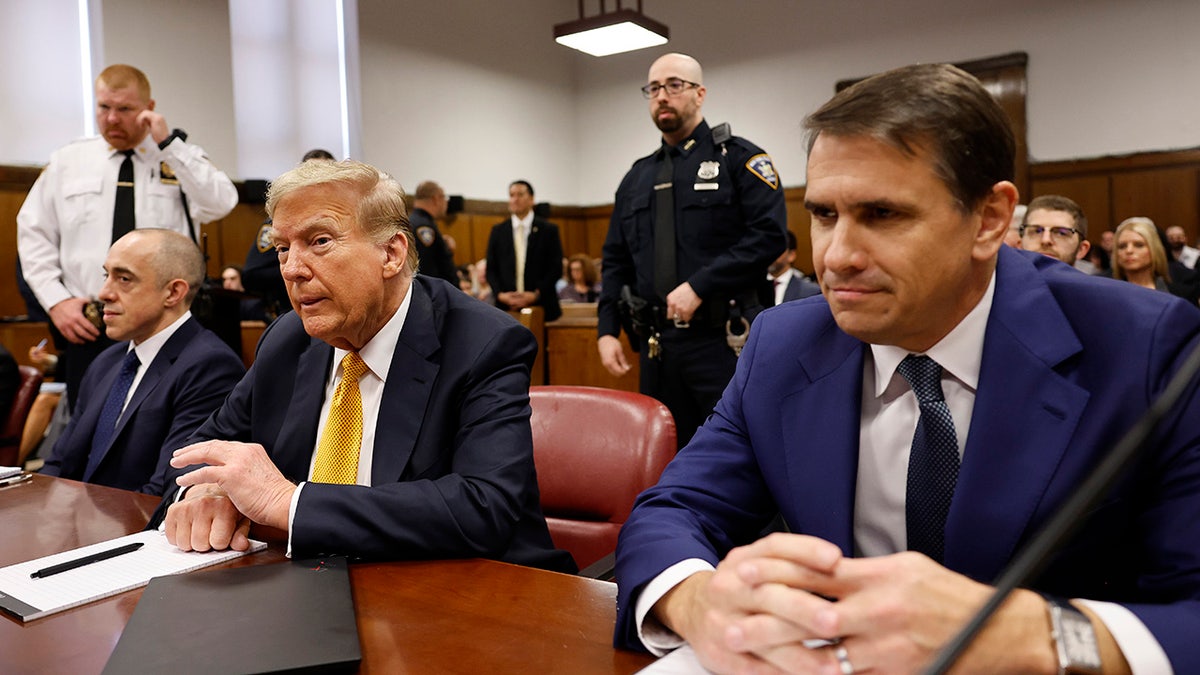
(10, 381)
(1059, 383)
(452, 474)
(182, 386)
(543, 263)
(800, 287)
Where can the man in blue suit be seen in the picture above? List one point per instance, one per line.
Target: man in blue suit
(142, 398)
(387, 417)
(909, 186)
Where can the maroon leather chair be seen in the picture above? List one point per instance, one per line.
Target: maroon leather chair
(14, 423)
(595, 450)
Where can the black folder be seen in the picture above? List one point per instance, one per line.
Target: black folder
(292, 617)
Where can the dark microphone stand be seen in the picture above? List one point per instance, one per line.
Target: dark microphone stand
(1033, 558)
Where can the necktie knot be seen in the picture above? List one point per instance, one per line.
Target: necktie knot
(353, 367)
(924, 375)
(128, 153)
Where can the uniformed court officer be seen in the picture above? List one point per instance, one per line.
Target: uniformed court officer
(260, 273)
(714, 202)
(429, 204)
(137, 173)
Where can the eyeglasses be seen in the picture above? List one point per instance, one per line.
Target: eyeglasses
(674, 87)
(1057, 233)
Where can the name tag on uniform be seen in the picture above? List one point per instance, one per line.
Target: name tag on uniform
(706, 186)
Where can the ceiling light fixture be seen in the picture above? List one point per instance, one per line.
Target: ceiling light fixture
(621, 30)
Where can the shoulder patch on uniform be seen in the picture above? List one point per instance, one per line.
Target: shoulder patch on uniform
(760, 165)
(426, 234)
(263, 243)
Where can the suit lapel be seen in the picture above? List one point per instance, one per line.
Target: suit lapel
(409, 384)
(1024, 418)
(297, 439)
(155, 372)
(822, 460)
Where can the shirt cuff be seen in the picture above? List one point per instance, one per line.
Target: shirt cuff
(292, 515)
(1141, 649)
(656, 637)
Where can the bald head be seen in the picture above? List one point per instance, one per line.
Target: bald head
(676, 114)
(684, 67)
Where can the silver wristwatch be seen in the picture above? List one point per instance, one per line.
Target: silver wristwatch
(1074, 639)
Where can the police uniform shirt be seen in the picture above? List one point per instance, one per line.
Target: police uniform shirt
(64, 228)
(730, 219)
(435, 257)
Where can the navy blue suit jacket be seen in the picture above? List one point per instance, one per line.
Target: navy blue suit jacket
(543, 263)
(452, 473)
(1069, 363)
(182, 386)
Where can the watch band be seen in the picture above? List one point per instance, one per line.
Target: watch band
(175, 133)
(1074, 637)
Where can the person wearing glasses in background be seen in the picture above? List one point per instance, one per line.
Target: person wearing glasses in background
(1055, 226)
(717, 203)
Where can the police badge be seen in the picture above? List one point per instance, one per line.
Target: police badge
(166, 175)
(263, 243)
(426, 235)
(708, 170)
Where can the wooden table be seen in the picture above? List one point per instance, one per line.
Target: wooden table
(456, 616)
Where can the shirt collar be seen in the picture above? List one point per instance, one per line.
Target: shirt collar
(151, 346)
(959, 353)
(691, 142)
(146, 148)
(378, 351)
(527, 221)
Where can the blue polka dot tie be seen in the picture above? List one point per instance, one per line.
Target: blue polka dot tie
(933, 464)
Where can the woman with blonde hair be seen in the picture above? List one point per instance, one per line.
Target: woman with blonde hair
(1139, 256)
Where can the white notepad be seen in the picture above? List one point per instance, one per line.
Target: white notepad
(29, 599)
(7, 471)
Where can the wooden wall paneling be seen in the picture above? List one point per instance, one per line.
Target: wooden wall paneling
(465, 246)
(1092, 193)
(11, 303)
(481, 229)
(799, 222)
(1167, 196)
(236, 232)
(573, 230)
(597, 219)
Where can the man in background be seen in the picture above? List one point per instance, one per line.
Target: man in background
(524, 255)
(1055, 226)
(1184, 254)
(436, 258)
(146, 394)
(694, 227)
(137, 173)
(785, 281)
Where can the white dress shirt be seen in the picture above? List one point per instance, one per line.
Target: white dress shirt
(147, 351)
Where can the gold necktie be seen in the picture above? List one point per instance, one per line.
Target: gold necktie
(337, 453)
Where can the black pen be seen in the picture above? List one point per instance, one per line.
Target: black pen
(85, 560)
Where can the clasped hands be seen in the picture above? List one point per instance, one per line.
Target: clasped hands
(240, 485)
(889, 614)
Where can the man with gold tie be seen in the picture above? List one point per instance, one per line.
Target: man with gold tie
(387, 417)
